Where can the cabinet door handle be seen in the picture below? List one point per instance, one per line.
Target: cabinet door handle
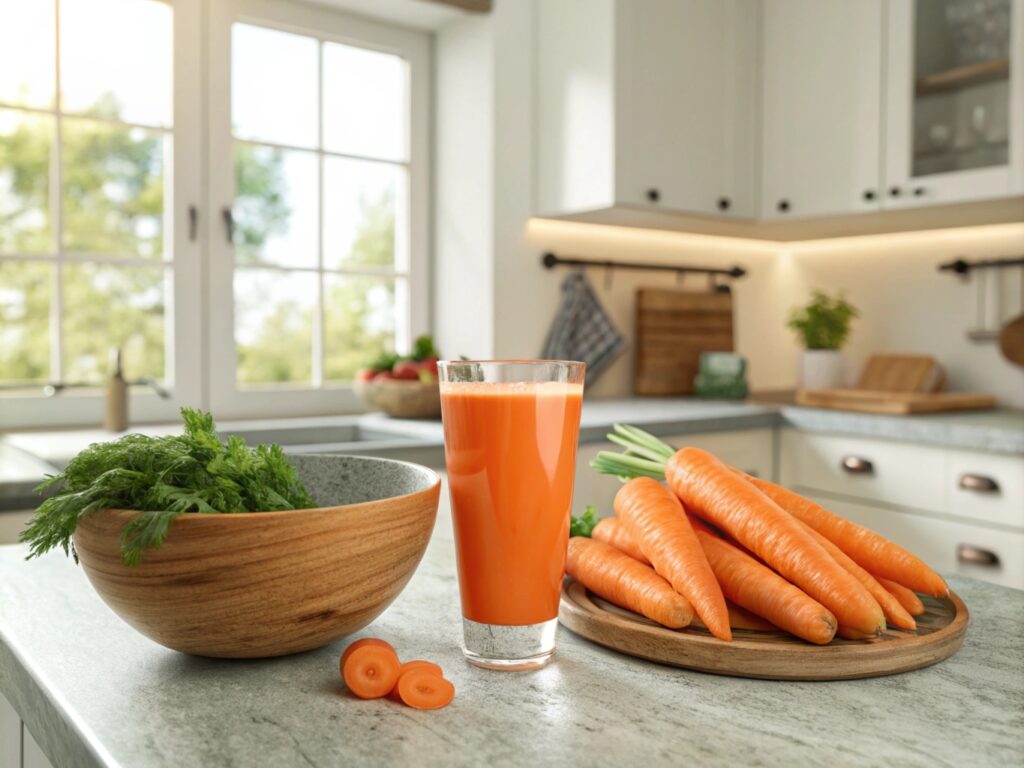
(724, 203)
(855, 465)
(894, 191)
(229, 224)
(752, 472)
(978, 483)
(968, 553)
(869, 195)
(783, 205)
(919, 191)
(653, 195)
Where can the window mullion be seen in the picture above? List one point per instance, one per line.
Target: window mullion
(56, 217)
(318, 316)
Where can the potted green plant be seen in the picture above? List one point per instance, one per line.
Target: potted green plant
(823, 327)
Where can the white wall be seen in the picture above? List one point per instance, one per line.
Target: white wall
(464, 189)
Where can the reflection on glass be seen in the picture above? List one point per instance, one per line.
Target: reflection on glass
(275, 212)
(359, 323)
(25, 291)
(961, 93)
(274, 82)
(365, 102)
(113, 189)
(274, 325)
(27, 62)
(25, 146)
(108, 306)
(116, 59)
(364, 204)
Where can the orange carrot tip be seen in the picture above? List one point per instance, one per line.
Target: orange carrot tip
(422, 689)
(371, 670)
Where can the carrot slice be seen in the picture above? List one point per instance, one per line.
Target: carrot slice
(610, 530)
(873, 552)
(422, 689)
(712, 490)
(655, 519)
(414, 664)
(371, 671)
(907, 598)
(895, 613)
(360, 644)
(761, 591)
(620, 579)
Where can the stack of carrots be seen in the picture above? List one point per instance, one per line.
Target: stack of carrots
(740, 552)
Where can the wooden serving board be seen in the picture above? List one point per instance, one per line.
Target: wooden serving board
(900, 403)
(673, 327)
(767, 655)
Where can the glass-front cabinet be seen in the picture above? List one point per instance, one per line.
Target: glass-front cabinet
(955, 101)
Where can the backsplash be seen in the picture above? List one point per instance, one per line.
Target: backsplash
(906, 305)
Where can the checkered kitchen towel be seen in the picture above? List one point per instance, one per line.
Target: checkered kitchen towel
(581, 329)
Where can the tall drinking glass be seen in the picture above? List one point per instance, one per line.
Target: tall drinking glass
(510, 435)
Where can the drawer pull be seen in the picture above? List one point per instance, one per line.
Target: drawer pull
(965, 553)
(752, 472)
(855, 465)
(978, 483)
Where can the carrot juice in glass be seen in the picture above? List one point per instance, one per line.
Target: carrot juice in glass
(510, 435)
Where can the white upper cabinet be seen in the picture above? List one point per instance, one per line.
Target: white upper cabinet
(821, 102)
(954, 100)
(646, 104)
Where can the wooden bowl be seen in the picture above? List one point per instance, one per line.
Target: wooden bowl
(402, 399)
(271, 583)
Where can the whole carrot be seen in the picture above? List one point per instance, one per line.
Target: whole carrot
(907, 598)
(875, 553)
(620, 579)
(763, 592)
(610, 530)
(895, 613)
(655, 520)
(712, 490)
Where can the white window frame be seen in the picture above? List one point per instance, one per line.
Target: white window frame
(226, 399)
(183, 374)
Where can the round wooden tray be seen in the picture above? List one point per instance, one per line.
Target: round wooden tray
(768, 655)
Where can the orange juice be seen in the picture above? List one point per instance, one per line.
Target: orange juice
(511, 456)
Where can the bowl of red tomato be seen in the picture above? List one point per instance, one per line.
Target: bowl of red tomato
(403, 386)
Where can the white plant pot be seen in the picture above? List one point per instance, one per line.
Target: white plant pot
(821, 369)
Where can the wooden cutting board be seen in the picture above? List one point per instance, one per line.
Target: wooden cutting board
(901, 373)
(673, 328)
(900, 403)
(769, 655)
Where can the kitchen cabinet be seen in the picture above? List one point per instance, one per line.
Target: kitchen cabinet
(821, 106)
(958, 510)
(649, 105)
(17, 747)
(752, 450)
(954, 101)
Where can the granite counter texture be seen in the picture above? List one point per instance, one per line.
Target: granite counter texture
(94, 692)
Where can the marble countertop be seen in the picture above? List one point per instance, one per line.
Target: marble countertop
(999, 430)
(94, 692)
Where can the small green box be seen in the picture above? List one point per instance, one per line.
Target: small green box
(721, 376)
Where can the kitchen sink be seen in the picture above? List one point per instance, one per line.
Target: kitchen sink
(312, 435)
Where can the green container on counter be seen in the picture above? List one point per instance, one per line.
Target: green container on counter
(721, 376)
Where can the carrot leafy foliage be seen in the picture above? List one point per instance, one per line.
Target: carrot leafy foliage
(163, 477)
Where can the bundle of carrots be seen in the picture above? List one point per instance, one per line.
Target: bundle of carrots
(739, 552)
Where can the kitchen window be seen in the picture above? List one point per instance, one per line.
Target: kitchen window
(249, 263)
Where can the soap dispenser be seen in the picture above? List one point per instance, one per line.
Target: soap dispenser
(115, 413)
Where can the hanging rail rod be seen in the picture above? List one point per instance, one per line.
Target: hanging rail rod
(962, 266)
(550, 261)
